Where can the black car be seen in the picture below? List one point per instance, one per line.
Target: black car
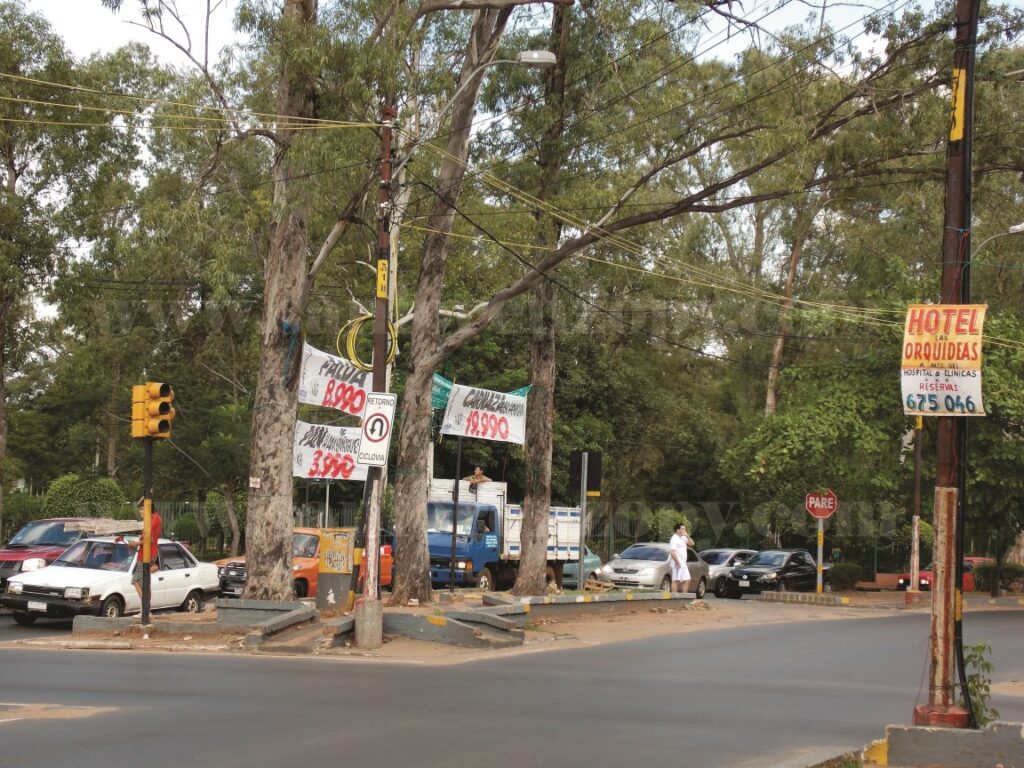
(775, 570)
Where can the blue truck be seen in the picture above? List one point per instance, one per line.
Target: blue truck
(488, 528)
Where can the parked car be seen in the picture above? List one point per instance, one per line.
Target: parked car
(305, 564)
(570, 572)
(649, 566)
(94, 577)
(720, 562)
(36, 545)
(925, 576)
(778, 570)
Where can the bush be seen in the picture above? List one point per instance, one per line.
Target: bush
(19, 508)
(845, 575)
(186, 528)
(74, 496)
(1011, 577)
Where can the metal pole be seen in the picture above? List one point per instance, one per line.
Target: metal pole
(821, 551)
(915, 520)
(584, 469)
(941, 708)
(147, 527)
(327, 505)
(455, 512)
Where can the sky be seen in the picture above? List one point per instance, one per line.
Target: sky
(87, 26)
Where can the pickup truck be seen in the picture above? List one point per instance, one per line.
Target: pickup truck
(488, 530)
(776, 570)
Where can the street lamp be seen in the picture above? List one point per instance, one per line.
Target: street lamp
(1016, 229)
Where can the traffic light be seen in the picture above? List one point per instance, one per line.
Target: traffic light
(152, 412)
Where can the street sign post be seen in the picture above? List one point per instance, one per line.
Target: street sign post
(378, 418)
(821, 506)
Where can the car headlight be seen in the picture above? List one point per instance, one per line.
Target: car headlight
(76, 593)
(220, 572)
(648, 572)
(769, 577)
(33, 564)
(13, 588)
(606, 569)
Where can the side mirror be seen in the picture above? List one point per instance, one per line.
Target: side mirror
(615, 555)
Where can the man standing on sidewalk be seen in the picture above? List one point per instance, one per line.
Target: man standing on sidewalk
(677, 545)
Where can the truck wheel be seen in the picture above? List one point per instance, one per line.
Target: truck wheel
(24, 619)
(300, 588)
(485, 580)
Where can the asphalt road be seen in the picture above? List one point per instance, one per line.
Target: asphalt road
(734, 697)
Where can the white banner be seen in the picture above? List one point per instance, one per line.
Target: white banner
(941, 367)
(486, 415)
(332, 382)
(327, 452)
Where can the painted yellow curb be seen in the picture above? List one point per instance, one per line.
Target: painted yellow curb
(876, 754)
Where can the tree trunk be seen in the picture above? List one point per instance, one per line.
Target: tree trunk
(540, 411)
(540, 416)
(236, 532)
(269, 522)
(412, 572)
(113, 425)
(801, 227)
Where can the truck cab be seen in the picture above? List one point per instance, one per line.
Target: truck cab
(476, 542)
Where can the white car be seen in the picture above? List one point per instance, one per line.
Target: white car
(94, 576)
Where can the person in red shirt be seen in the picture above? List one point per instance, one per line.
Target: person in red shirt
(156, 527)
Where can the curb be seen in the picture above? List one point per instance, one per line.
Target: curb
(442, 629)
(811, 598)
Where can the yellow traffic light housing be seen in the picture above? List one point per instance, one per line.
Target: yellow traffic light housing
(152, 412)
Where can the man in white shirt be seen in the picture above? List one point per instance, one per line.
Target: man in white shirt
(677, 545)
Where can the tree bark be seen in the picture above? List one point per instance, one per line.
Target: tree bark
(540, 412)
(229, 509)
(412, 571)
(269, 522)
(113, 426)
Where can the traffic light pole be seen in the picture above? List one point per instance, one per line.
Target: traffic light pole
(147, 528)
(947, 599)
(369, 627)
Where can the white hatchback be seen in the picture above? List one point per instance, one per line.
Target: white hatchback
(94, 577)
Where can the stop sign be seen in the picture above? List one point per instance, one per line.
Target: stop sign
(821, 505)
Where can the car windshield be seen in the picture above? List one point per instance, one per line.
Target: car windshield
(767, 558)
(98, 555)
(44, 534)
(644, 552)
(714, 557)
(439, 517)
(304, 544)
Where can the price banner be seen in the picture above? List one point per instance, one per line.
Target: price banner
(486, 415)
(941, 367)
(325, 452)
(332, 382)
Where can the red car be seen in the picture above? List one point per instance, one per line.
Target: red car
(36, 545)
(925, 575)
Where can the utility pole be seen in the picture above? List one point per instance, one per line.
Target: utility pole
(915, 521)
(369, 614)
(951, 443)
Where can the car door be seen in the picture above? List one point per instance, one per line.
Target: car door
(804, 576)
(176, 577)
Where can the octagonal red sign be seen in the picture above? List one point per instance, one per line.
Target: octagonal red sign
(821, 504)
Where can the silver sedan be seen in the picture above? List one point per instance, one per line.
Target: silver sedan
(720, 562)
(649, 566)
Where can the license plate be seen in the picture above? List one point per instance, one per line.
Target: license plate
(744, 583)
(34, 606)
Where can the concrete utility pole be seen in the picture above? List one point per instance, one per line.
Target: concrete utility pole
(950, 442)
(368, 609)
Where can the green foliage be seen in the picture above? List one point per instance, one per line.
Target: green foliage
(979, 682)
(1011, 577)
(664, 522)
(74, 496)
(845, 575)
(186, 528)
(19, 508)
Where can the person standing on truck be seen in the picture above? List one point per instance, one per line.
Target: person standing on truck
(677, 546)
(476, 478)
